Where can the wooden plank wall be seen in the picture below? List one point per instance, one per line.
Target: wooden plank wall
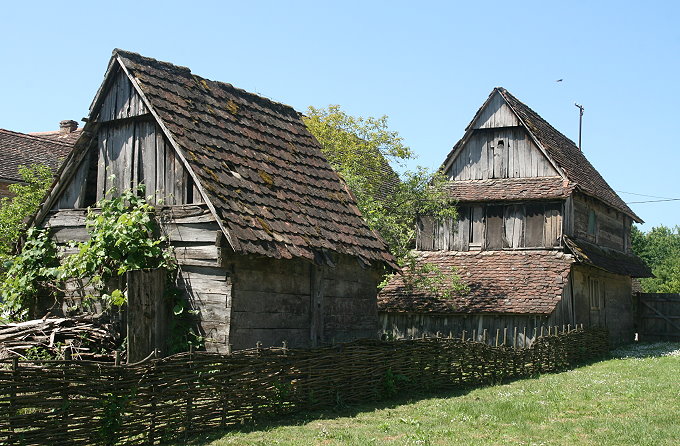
(417, 325)
(490, 227)
(131, 149)
(617, 312)
(496, 114)
(658, 316)
(612, 226)
(148, 315)
(195, 237)
(500, 153)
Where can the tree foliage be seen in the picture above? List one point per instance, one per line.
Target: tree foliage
(660, 249)
(27, 197)
(360, 150)
(124, 235)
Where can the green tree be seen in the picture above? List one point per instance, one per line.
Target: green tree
(27, 197)
(660, 249)
(360, 149)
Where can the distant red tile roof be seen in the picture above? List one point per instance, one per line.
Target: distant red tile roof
(69, 138)
(272, 189)
(21, 149)
(607, 259)
(520, 282)
(541, 188)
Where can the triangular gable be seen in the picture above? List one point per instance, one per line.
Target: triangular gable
(496, 144)
(252, 160)
(501, 111)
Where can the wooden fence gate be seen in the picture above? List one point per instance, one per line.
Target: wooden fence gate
(658, 316)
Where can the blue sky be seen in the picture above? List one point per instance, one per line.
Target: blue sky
(428, 65)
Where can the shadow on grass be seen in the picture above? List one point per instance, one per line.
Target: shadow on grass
(303, 417)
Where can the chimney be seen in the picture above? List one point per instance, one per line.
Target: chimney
(68, 126)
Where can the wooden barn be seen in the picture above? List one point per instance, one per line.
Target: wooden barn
(541, 238)
(270, 243)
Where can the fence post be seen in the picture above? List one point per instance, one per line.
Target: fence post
(514, 338)
(189, 398)
(524, 337)
(505, 336)
(13, 399)
(152, 424)
(462, 338)
(64, 391)
(498, 335)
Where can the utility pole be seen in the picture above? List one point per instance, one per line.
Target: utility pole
(580, 124)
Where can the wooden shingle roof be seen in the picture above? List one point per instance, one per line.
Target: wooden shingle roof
(272, 190)
(20, 149)
(567, 156)
(539, 188)
(520, 282)
(607, 259)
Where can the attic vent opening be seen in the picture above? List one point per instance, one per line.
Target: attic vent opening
(500, 144)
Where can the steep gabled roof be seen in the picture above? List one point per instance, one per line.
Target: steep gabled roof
(560, 150)
(20, 149)
(520, 282)
(255, 163)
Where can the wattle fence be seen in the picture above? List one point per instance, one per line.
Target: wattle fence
(160, 400)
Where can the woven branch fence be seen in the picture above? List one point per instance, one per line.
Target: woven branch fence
(158, 400)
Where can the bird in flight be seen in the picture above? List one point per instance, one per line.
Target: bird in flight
(559, 80)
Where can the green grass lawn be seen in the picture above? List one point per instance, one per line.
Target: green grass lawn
(633, 399)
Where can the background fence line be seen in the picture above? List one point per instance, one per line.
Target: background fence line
(83, 402)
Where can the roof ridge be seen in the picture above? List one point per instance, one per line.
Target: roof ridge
(40, 138)
(170, 65)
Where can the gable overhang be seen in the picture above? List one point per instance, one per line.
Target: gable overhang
(469, 130)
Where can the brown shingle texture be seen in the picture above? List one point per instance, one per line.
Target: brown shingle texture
(520, 282)
(272, 188)
(567, 155)
(541, 188)
(609, 260)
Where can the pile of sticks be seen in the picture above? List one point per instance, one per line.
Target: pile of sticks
(59, 338)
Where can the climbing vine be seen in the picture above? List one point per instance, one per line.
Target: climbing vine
(124, 236)
(29, 276)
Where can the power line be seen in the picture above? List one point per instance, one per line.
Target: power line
(653, 201)
(643, 195)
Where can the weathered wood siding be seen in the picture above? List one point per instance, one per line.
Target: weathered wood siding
(497, 113)
(195, 237)
(130, 149)
(600, 224)
(613, 302)
(300, 303)
(493, 226)
(500, 153)
(417, 325)
(658, 316)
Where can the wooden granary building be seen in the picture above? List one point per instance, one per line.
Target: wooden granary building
(541, 238)
(270, 243)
